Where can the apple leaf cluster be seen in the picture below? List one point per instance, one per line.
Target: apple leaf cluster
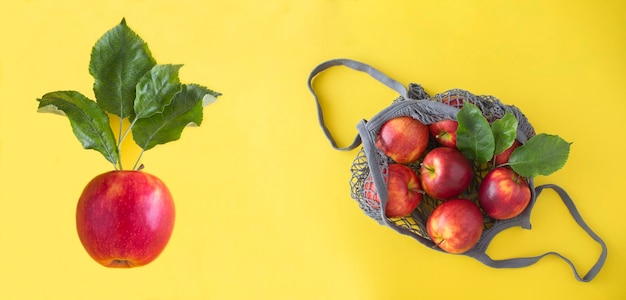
(542, 154)
(477, 139)
(129, 84)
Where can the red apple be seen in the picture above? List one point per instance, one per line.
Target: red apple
(403, 139)
(455, 225)
(445, 173)
(454, 100)
(444, 132)
(403, 190)
(124, 219)
(370, 195)
(503, 194)
(503, 157)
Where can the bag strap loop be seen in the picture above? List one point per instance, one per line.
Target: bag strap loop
(527, 261)
(359, 66)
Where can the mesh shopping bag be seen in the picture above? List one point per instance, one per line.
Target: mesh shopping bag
(370, 166)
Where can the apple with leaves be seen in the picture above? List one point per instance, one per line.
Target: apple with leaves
(455, 225)
(445, 173)
(403, 139)
(444, 132)
(503, 194)
(403, 191)
(125, 217)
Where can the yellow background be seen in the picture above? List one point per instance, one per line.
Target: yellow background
(263, 203)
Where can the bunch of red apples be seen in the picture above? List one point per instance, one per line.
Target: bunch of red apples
(444, 173)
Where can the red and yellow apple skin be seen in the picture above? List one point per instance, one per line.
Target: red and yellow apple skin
(445, 173)
(403, 139)
(403, 190)
(503, 157)
(444, 132)
(125, 219)
(455, 225)
(503, 194)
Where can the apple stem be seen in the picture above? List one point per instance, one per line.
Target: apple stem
(138, 160)
(437, 245)
(122, 138)
(119, 155)
(119, 143)
(140, 167)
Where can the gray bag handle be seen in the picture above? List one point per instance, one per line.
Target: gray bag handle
(384, 79)
(478, 252)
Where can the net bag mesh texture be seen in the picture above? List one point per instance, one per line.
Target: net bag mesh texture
(428, 110)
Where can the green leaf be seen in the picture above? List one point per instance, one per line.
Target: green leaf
(156, 89)
(89, 122)
(118, 60)
(474, 137)
(542, 154)
(210, 97)
(504, 132)
(160, 128)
